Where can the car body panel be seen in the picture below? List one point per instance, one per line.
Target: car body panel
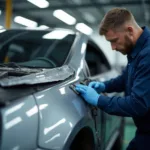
(53, 114)
(19, 124)
(64, 111)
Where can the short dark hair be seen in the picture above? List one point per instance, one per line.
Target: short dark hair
(114, 19)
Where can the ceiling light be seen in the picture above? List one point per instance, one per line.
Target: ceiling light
(63, 16)
(40, 3)
(57, 34)
(2, 30)
(84, 28)
(43, 27)
(25, 21)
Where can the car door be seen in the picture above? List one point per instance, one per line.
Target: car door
(100, 70)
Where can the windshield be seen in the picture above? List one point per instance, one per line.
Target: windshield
(38, 49)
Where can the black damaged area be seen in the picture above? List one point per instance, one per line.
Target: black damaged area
(10, 94)
(13, 93)
(44, 76)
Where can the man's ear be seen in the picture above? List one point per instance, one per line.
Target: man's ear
(130, 30)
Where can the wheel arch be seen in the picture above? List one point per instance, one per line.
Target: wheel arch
(83, 132)
(84, 140)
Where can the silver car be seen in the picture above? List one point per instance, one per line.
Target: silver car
(39, 107)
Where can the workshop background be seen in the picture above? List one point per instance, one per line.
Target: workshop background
(79, 15)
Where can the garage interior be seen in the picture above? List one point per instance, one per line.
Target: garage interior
(84, 16)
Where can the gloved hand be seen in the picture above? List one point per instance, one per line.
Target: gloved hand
(88, 93)
(98, 86)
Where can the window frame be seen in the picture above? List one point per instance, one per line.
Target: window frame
(100, 53)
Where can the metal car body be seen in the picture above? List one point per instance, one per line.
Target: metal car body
(38, 109)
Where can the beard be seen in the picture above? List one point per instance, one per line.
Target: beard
(128, 46)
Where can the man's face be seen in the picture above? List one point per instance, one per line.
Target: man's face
(120, 41)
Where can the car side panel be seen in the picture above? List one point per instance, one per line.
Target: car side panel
(61, 111)
(19, 125)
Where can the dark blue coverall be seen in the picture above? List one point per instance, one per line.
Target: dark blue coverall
(135, 81)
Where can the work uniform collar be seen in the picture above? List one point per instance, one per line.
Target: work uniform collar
(140, 42)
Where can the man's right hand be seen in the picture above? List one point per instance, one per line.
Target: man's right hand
(98, 86)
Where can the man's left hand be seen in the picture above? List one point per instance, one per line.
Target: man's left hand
(88, 93)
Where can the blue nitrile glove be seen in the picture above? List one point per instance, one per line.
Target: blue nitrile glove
(88, 93)
(98, 86)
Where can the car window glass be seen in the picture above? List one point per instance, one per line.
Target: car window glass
(96, 61)
(29, 48)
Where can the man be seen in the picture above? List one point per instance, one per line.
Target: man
(120, 28)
